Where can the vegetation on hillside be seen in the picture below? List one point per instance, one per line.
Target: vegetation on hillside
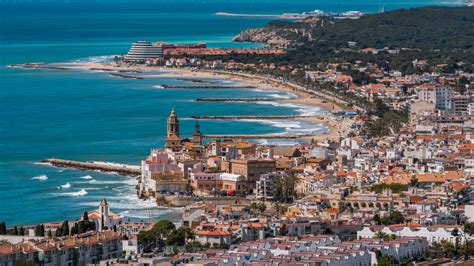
(441, 35)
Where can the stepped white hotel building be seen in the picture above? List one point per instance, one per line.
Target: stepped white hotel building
(144, 50)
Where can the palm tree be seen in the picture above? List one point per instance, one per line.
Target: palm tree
(382, 235)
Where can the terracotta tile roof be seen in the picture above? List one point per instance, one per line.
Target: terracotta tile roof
(213, 233)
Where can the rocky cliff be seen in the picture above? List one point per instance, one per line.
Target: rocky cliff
(281, 34)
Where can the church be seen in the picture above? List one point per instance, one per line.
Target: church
(173, 141)
(103, 217)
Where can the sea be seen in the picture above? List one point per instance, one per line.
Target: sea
(91, 116)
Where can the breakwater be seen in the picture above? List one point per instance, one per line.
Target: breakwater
(257, 136)
(259, 117)
(125, 76)
(239, 99)
(121, 169)
(39, 66)
(171, 86)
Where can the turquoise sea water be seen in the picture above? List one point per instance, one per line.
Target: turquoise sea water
(92, 116)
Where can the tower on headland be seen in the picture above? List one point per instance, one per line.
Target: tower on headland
(172, 131)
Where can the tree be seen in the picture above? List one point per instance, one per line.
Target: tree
(74, 229)
(3, 228)
(21, 232)
(376, 219)
(189, 189)
(341, 205)
(59, 232)
(261, 207)
(180, 236)
(65, 228)
(395, 217)
(157, 233)
(469, 228)
(84, 226)
(163, 228)
(15, 231)
(284, 188)
(283, 230)
(23, 262)
(381, 235)
(85, 217)
(50, 234)
(413, 181)
(37, 230)
(386, 260)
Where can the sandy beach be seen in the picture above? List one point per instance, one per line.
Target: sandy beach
(337, 127)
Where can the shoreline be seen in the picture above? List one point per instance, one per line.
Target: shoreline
(335, 128)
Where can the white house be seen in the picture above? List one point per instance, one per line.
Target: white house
(431, 234)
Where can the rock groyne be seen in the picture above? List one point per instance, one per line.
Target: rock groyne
(121, 169)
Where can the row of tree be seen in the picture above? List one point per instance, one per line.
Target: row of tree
(164, 232)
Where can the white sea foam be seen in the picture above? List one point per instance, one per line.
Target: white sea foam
(96, 59)
(43, 163)
(86, 177)
(40, 177)
(79, 193)
(301, 109)
(158, 87)
(65, 186)
(130, 181)
(279, 142)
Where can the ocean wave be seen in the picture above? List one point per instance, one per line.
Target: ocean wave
(40, 177)
(86, 177)
(286, 95)
(79, 193)
(126, 202)
(108, 182)
(96, 188)
(107, 173)
(65, 186)
(301, 109)
(95, 59)
(286, 124)
(278, 142)
(158, 87)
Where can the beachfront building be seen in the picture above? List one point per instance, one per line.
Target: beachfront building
(142, 51)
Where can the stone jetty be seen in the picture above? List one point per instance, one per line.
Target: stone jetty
(125, 76)
(121, 169)
(257, 136)
(239, 99)
(253, 117)
(171, 86)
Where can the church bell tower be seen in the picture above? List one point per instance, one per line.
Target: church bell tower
(172, 131)
(172, 125)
